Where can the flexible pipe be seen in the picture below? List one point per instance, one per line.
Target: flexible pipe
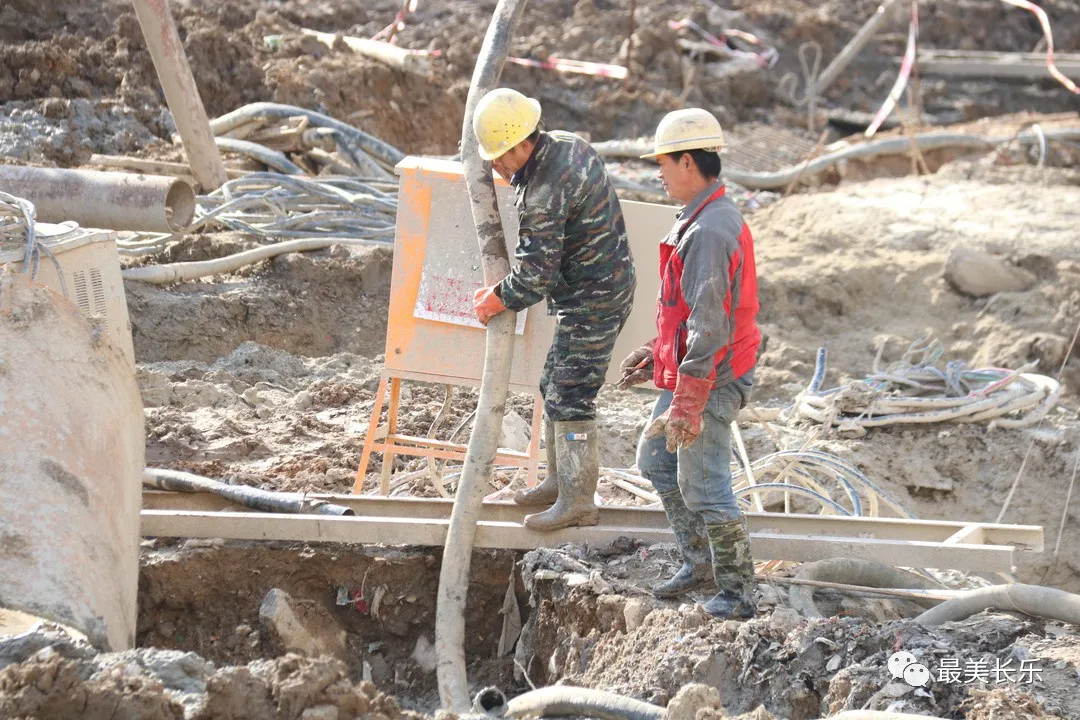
(264, 500)
(97, 199)
(179, 272)
(369, 143)
(1034, 600)
(851, 571)
(880, 715)
(271, 158)
(888, 146)
(181, 93)
(494, 383)
(565, 700)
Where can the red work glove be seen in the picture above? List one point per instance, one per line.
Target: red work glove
(682, 422)
(637, 367)
(487, 304)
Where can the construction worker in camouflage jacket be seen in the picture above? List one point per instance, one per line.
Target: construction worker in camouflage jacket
(572, 249)
(703, 361)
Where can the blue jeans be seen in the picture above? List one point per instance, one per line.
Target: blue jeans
(701, 472)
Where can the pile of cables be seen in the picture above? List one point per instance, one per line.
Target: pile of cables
(16, 220)
(290, 206)
(916, 390)
(18, 228)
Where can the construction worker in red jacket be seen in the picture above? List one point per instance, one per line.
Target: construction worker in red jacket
(703, 361)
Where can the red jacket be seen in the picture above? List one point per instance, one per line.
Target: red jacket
(705, 314)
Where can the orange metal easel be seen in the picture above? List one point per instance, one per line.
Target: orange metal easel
(384, 438)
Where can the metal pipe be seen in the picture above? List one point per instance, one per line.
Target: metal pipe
(494, 383)
(181, 93)
(97, 199)
(853, 48)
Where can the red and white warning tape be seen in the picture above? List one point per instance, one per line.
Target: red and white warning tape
(767, 57)
(573, 66)
(1045, 22)
(905, 72)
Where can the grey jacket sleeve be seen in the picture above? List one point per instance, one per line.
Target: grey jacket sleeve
(707, 254)
(539, 254)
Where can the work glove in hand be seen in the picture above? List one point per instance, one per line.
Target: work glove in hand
(682, 422)
(637, 367)
(487, 304)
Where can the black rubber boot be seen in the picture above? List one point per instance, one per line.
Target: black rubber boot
(696, 571)
(733, 569)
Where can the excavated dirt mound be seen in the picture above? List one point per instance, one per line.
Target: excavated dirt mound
(247, 51)
(47, 675)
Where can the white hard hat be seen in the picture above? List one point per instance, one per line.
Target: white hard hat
(502, 119)
(689, 129)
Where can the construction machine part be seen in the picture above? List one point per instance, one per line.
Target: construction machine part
(564, 700)
(1034, 600)
(494, 384)
(86, 272)
(265, 500)
(853, 572)
(100, 199)
(181, 94)
(71, 453)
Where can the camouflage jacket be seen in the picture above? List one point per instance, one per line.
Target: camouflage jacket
(572, 245)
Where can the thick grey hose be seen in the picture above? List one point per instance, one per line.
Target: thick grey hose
(179, 272)
(369, 143)
(853, 572)
(880, 715)
(888, 146)
(271, 158)
(1034, 600)
(494, 383)
(264, 500)
(564, 700)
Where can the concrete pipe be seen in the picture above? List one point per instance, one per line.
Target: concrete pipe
(71, 459)
(110, 200)
(181, 93)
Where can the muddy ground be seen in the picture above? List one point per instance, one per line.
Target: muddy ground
(267, 376)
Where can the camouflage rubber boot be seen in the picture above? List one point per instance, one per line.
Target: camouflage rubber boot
(547, 492)
(689, 528)
(578, 460)
(733, 568)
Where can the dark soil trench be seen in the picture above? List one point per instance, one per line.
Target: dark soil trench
(204, 597)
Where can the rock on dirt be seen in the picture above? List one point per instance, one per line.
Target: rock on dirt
(307, 629)
(693, 699)
(980, 274)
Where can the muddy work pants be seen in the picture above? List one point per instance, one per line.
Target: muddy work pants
(701, 472)
(577, 363)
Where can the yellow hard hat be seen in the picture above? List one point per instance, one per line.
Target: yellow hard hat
(689, 129)
(502, 119)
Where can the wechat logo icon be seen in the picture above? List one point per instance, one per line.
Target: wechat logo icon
(903, 666)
